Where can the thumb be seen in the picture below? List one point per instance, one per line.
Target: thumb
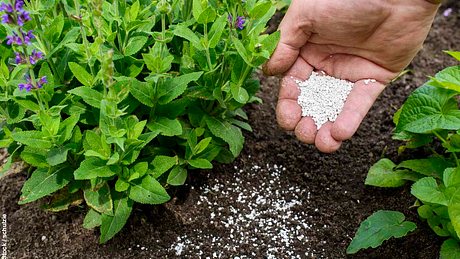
(295, 32)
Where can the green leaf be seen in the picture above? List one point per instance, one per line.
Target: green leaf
(429, 108)
(148, 191)
(186, 33)
(455, 54)
(92, 219)
(208, 15)
(81, 74)
(451, 177)
(448, 78)
(29, 105)
(450, 249)
(135, 44)
(381, 174)
(97, 143)
(197, 9)
(32, 138)
(176, 86)
(165, 126)
(57, 155)
(239, 93)
(229, 133)
(162, 164)
(93, 167)
(200, 163)
(433, 166)
(215, 34)
(35, 156)
(89, 96)
(43, 182)
(260, 10)
(111, 225)
(453, 208)
(202, 145)
(100, 200)
(142, 91)
(425, 211)
(67, 127)
(242, 51)
(380, 226)
(177, 176)
(427, 190)
(121, 185)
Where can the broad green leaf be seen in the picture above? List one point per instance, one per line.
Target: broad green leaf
(57, 155)
(148, 191)
(229, 133)
(242, 51)
(177, 176)
(453, 209)
(208, 15)
(35, 157)
(5, 168)
(239, 93)
(165, 126)
(380, 226)
(81, 74)
(66, 127)
(455, 54)
(451, 177)
(186, 33)
(35, 139)
(89, 96)
(176, 86)
(270, 42)
(427, 190)
(162, 164)
(43, 182)
(425, 211)
(142, 91)
(111, 225)
(97, 143)
(197, 9)
(100, 200)
(92, 219)
(135, 44)
(448, 78)
(202, 145)
(215, 34)
(429, 108)
(381, 174)
(93, 167)
(121, 185)
(241, 124)
(260, 10)
(433, 166)
(29, 105)
(450, 249)
(200, 163)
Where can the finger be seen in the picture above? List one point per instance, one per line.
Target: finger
(288, 113)
(295, 32)
(305, 130)
(358, 103)
(324, 140)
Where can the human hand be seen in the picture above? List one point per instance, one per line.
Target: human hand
(352, 40)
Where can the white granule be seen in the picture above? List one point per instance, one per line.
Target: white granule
(322, 97)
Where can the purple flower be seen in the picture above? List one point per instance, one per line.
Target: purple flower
(19, 59)
(13, 39)
(26, 86)
(41, 82)
(23, 17)
(447, 12)
(35, 56)
(27, 36)
(18, 5)
(239, 23)
(6, 7)
(6, 18)
(230, 18)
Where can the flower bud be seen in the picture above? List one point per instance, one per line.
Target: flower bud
(164, 7)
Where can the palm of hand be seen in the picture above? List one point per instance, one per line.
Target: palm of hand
(353, 40)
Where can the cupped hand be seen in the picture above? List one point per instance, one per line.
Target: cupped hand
(354, 40)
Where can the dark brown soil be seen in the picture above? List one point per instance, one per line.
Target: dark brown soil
(335, 182)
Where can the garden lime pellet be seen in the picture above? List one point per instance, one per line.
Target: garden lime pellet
(322, 97)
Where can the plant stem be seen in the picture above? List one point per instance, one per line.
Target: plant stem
(206, 40)
(457, 162)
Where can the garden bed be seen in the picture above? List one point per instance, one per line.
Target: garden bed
(301, 202)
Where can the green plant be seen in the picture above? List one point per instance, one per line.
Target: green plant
(429, 119)
(133, 95)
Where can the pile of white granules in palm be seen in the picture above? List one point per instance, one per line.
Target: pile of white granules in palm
(322, 97)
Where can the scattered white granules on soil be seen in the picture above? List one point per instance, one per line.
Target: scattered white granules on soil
(322, 97)
(251, 217)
